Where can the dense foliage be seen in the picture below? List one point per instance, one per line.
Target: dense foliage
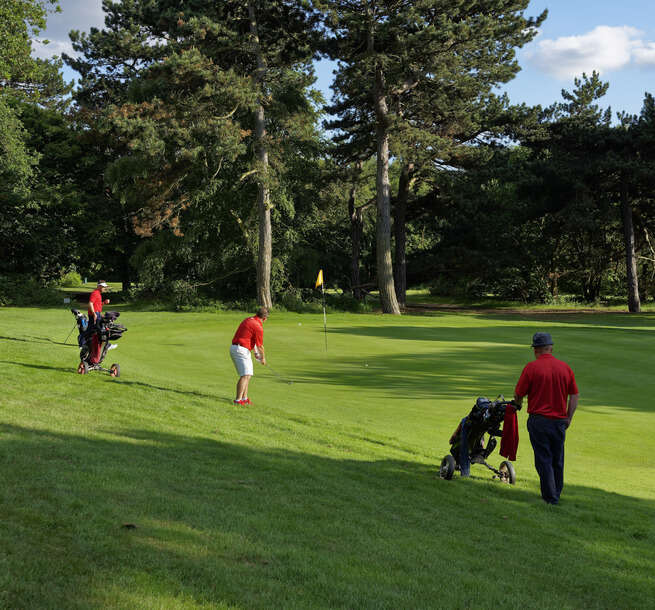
(191, 162)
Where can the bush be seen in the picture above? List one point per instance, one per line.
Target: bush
(72, 279)
(346, 302)
(23, 291)
(184, 294)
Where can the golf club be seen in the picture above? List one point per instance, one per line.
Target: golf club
(69, 334)
(268, 366)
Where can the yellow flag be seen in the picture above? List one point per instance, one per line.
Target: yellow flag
(319, 279)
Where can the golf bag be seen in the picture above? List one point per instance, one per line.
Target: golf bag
(468, 445)
(105, 329)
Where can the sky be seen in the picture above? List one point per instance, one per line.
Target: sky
(614, 38)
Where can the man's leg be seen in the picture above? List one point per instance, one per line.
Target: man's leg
(543, 458)
(243, 364)
(559, 435)
(242, 387)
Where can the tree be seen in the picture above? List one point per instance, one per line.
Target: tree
(32, 95)
(21, 78)
(248, 77)
(403, 63)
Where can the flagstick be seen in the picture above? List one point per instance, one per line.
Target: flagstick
(324, 315)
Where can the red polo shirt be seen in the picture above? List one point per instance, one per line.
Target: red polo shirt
(250, 333)
(547, 382)
(96, 299)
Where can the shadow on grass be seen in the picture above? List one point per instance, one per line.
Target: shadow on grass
(220, 523)
(41, 367)
(472, 361)
(136, 384)
(30, 339)
(520, 335)
(150, 386)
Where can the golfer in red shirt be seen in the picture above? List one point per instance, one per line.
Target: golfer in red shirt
(249, 337)
(548, 383)
(94, 310)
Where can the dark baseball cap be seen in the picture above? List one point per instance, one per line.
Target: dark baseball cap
(541, 339)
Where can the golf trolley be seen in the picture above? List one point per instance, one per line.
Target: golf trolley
(467, 443)
(106, 329)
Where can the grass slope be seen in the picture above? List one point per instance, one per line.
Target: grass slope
(324, 494)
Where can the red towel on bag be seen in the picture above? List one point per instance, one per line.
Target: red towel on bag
(510, 440)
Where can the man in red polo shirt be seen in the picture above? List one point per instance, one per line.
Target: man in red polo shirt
(95, 310)
(548, 383)
(249, 337)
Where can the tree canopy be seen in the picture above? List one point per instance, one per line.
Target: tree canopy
(195, 158)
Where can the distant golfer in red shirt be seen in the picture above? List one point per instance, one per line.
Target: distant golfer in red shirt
(548, 383)
(249, 337)
(95, 310)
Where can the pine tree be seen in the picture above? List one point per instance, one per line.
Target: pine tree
(416, 67)
(199, 94)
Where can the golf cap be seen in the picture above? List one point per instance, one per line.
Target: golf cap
(541, 339)
(102, 283)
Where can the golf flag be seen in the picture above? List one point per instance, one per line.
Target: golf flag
(319, 282)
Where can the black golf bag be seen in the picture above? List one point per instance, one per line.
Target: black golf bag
(106, 329)
(468, 444)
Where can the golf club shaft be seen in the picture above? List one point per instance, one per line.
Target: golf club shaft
(277, 374)
(69, 334)
(270, 368)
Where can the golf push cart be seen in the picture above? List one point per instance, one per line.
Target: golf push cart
(106, 329)
(467, 443)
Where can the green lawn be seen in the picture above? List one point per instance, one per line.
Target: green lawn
(324, 494)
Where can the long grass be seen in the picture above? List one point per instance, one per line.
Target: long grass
(154, 491)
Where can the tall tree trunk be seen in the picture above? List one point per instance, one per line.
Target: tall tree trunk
(400, 232)
(125, 256)
(355, 240)
(634, 304)
(125, 273)
(265, 252)
(383, 188)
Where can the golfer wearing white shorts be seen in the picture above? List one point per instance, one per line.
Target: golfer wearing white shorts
(248, 338)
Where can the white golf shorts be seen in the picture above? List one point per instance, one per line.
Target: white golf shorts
(242, 360)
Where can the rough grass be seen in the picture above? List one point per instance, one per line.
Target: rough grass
(153, 491)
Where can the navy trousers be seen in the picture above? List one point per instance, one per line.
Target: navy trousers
(547, 438)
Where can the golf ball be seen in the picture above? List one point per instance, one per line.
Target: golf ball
(366, 365)
(299, 323)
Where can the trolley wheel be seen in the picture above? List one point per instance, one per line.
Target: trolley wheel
(447, 467)
(115, 370)
(507, 474)
(83, 368)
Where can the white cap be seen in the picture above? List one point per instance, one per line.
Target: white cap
(102, 284)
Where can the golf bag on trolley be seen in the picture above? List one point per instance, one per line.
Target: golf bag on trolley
(468, 445)
(105, 330)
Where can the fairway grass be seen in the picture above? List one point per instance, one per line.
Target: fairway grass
(154, 491)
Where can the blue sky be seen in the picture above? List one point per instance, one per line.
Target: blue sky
(615, 38)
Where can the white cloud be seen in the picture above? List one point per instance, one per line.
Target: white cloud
(645, 56)
(54, 47)
(75, 15)
(603, 49)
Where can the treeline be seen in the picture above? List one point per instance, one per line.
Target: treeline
(195, 159)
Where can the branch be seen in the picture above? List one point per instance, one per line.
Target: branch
(218, 169)
(408, 85)
(248, 173)
(229, 114)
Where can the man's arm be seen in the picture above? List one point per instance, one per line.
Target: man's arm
(262, 355)
(573, 405)
(518, 400)
(93, 314)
